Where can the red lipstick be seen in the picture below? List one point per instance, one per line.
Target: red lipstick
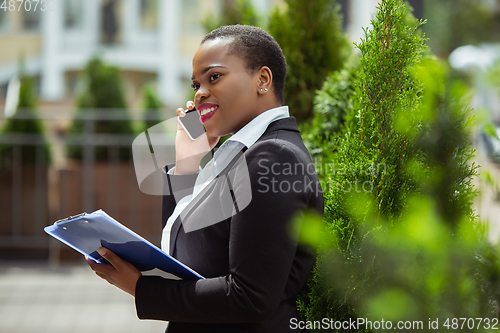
(206, 111)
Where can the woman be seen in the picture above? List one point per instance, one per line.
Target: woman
(254, 267)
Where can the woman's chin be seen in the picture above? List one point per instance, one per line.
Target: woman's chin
(210, 131)
(213, 131)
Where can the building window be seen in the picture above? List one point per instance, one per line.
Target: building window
(149, 14)
(73, 14)
(110, 22)
(190, 9)
(31, 19)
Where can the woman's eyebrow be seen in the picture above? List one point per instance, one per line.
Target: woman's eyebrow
(206, 69)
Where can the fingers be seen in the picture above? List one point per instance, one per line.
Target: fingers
(104, 269)
(111, 257)
(119, 272)
(104, 277)
(180, 112)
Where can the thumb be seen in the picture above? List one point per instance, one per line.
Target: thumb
(108, 255)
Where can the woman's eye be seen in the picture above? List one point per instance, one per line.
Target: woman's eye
(195, 86)
(214, 77)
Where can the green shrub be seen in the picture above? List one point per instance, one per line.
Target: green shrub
(369, 153)
(151, 105)
(432, 261)
(310, 34)
(401, 241)
(332, 104)
(103, 97)
(25, 122)
(234, 12)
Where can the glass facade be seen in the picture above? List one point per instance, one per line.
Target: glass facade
(149, 15)
(73, 12)
(30, 19)
(3, 20)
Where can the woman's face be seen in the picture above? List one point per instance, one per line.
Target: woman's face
(226, 91)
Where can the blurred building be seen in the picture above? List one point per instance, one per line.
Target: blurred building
(149, 40)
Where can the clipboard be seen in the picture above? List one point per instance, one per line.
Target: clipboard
(87, 232)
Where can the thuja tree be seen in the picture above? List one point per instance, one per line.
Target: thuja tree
(402, 240)
(234, 12)
(432, 262)
(25, 122)
(310, 34)
(332, 104)
(102, 99)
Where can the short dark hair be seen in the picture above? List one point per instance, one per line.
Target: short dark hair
(258, 48)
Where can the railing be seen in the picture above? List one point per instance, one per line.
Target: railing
(37, 194)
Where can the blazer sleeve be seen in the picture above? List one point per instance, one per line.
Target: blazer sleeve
(261, 250)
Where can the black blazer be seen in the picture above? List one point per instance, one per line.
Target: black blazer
(253, 264)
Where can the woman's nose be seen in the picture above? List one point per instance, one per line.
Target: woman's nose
(201, 94)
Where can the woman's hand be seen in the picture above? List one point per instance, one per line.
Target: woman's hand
(188, 152)
(120, 273)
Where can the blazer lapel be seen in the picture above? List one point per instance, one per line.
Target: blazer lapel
(173, 235)
(189, 210)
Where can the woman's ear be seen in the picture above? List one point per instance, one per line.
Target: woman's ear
(265, 80)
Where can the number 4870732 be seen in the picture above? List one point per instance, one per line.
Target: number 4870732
(471, 323)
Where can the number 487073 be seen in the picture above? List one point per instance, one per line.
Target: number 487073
(27, 5)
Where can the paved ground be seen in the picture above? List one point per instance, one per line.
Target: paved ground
(69, 299)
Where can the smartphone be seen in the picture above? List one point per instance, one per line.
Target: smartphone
(192, 124)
